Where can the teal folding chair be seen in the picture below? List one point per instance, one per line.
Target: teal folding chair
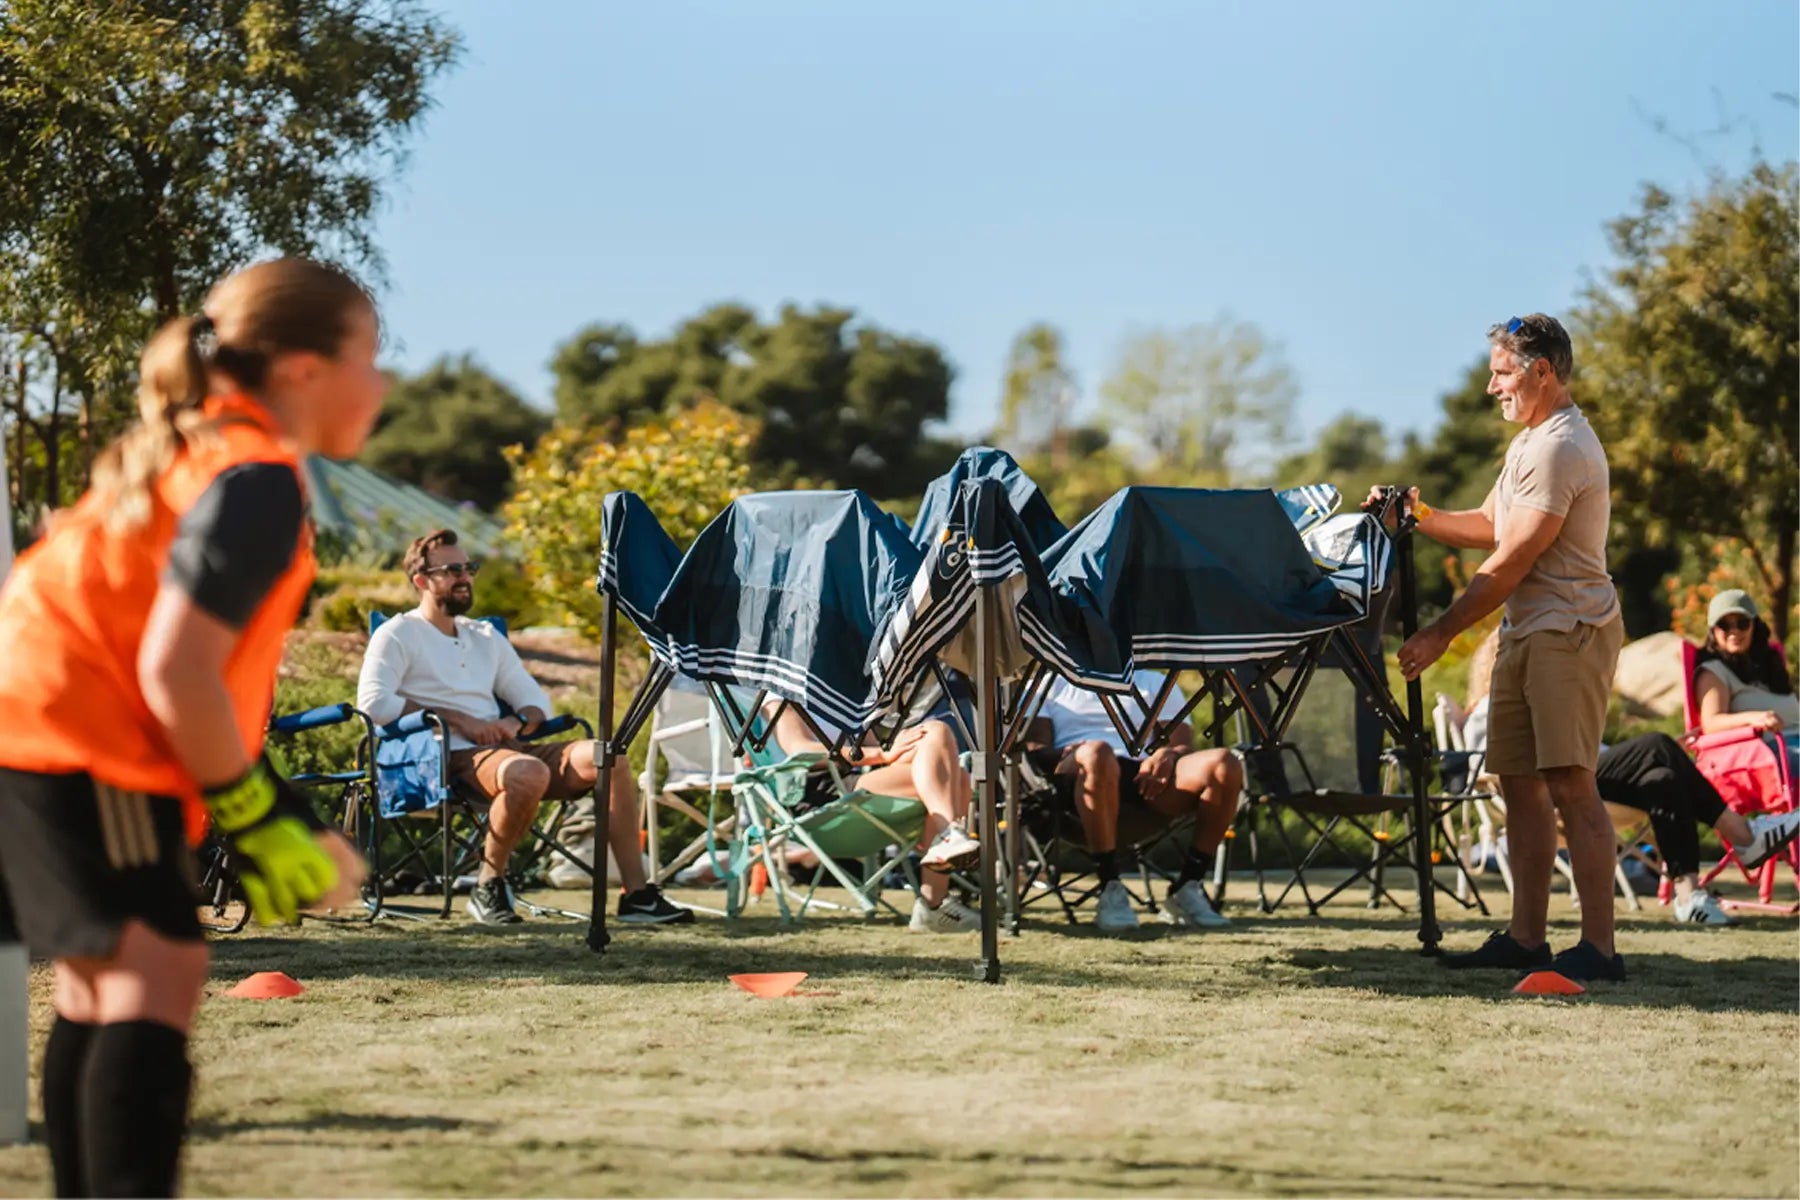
(771, 813)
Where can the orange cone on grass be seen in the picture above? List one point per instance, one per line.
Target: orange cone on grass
(1548, 983)
(771, 984)
(267, 985)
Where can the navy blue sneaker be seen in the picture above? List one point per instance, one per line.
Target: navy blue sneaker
(1499, 953)
(1584, 963)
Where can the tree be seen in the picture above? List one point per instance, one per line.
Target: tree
(1688, 357)
(1092, 469)
(832, 399)
(686, 467)
(444, 428)
(1351, 454)
(1195, 398)
(1039, 395)
(147, 148)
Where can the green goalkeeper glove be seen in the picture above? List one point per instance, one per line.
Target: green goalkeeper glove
(282, 869)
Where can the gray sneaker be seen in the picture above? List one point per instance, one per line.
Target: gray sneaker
(1115, 912)
(491, 903)
(952, 916)
(1188, 905)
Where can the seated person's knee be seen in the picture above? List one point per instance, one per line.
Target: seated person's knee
(1096, 758)
(524, 780)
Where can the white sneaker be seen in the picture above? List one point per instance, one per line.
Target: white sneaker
(565, 874)
(1188, 905)
(1702, 908)
(952, 916)
(952, 849)
(1768, 833)
(1115, 913)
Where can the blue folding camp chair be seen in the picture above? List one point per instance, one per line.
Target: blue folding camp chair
(420, 829)
(222, 907)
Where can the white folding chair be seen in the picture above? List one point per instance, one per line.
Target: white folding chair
(689, 752)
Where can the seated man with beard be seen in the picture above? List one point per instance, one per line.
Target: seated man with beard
(435, 657)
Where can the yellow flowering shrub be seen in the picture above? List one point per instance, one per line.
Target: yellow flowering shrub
(687, 467)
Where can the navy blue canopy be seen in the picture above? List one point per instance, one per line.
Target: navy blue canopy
(637, 560)
(1190, 577)
(783, 590)
(1039, 521)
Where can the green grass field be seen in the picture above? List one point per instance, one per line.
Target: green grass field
(1289, 1055)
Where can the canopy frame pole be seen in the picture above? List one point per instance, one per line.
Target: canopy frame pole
(597, 937)
(1424, 824)
(986, 772)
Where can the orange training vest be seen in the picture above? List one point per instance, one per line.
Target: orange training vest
(72, 616)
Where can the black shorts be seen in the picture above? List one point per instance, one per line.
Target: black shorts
(1138, 818)
(78, 860)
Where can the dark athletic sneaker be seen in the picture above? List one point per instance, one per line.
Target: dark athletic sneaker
(648, 906)
(491, 903)
(1583, 963)
(1499, 953)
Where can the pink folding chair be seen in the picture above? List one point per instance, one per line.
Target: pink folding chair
(1751, 774)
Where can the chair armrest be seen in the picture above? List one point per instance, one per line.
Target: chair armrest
(411, 723)
(1725, 737)
(556, 725)
(312, 718)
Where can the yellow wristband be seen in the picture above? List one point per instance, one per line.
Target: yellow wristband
(1421, 510)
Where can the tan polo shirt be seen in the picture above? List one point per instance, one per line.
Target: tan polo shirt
(1559, 467)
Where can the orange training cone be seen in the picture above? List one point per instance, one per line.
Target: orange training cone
(769, 986)
(1548, 983)
(266, 985)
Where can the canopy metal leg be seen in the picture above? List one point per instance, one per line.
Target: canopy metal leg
(986, 759)
(605, 757)
(1423, 818)
(1014, 844)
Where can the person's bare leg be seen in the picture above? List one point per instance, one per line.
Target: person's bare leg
(1591, 849)
(1734, 827)
(929, 772)
(623, 819)
(148, 978)
(1207, 784)
(1096, 771)
(523, 782)
(1531, 845)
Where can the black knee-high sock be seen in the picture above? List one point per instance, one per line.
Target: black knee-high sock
(134, 1109)
(65, 1063)
(1106, 865)
(1197, 865)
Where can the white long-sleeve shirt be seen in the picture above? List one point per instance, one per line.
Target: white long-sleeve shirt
(410, 659)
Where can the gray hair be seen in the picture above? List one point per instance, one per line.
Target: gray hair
(1536, 336)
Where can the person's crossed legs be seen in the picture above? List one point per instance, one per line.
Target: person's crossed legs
(925, 765)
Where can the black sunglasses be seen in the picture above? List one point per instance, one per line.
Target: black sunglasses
(456, 569)
(1736, 624)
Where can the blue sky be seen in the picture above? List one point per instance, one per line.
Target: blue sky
(1372, 183)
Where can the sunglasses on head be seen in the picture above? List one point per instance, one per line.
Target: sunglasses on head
(456, 569)
(1736, 624)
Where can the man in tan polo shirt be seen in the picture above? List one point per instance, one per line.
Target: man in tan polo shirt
(1545, 521)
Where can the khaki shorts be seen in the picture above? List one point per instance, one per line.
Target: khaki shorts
(1547, 702)
(480, 767)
